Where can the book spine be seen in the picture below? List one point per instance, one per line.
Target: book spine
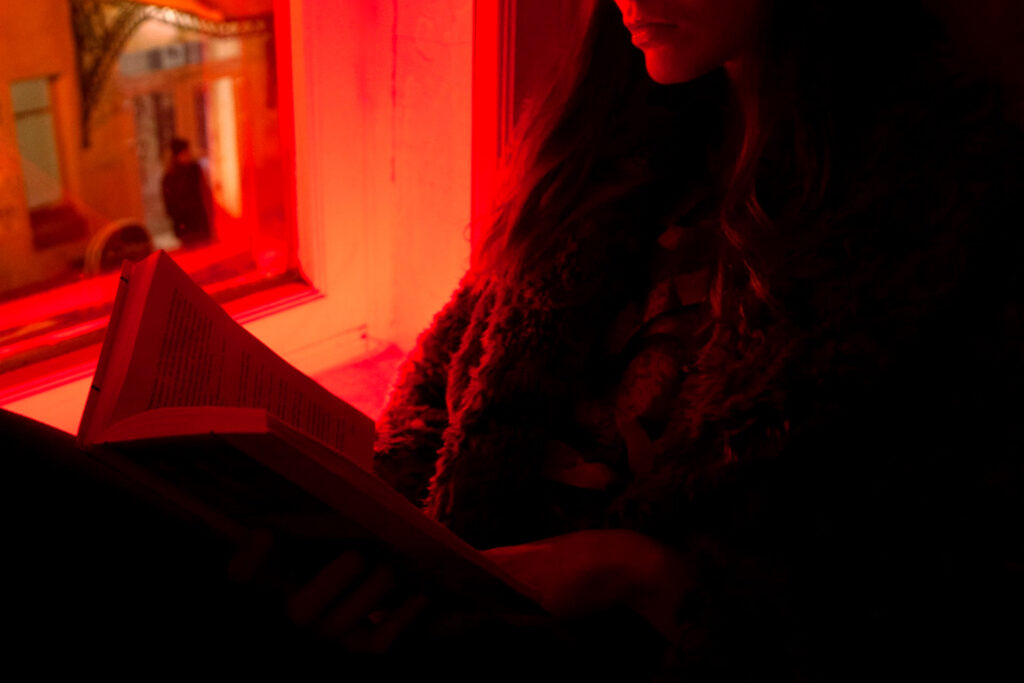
(120, 299)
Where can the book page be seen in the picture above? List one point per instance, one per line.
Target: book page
(121, 337)
(189, 352)
(210, 418)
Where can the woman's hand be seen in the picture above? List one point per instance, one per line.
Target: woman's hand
(589, 571)
(350, 601)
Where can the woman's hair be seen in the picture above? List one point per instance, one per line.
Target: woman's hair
(831, 85)
(560, 164)
(820, 68)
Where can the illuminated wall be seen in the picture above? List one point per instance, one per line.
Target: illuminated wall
(384, 127)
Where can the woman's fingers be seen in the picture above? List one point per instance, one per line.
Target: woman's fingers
(351, 601)
(387, 626)
(312, 599)
(357, 605)
(251, 557)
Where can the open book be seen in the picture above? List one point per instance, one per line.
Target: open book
(188, 404)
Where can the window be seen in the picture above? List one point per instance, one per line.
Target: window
(37, 142)
(135, 126)
(380, 188)
(52, 220)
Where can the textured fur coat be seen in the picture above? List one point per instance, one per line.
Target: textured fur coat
(847, 487)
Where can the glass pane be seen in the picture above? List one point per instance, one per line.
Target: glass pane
(136, 127)
(29, 95)
(37, 145)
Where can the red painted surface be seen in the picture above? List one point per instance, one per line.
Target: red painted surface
(486, 144)
(286, 119)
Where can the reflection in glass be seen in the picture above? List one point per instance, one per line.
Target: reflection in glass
(37, 142)
(91, 103)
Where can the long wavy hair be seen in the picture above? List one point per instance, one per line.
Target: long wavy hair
(831, 84)
(822, 74)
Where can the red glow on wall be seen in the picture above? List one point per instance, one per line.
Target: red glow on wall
(487, 53)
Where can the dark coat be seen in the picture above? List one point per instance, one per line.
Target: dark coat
(188, 200)
(855, 501)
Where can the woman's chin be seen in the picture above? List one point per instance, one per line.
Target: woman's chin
(667, 71)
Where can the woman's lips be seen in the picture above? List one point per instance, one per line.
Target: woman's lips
(650, 33)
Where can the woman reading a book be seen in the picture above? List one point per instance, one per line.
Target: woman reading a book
(735, 351)
(735, 361)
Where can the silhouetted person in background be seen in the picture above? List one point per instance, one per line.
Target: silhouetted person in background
(187, 196)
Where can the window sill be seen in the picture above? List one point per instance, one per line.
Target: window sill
(58, 354)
